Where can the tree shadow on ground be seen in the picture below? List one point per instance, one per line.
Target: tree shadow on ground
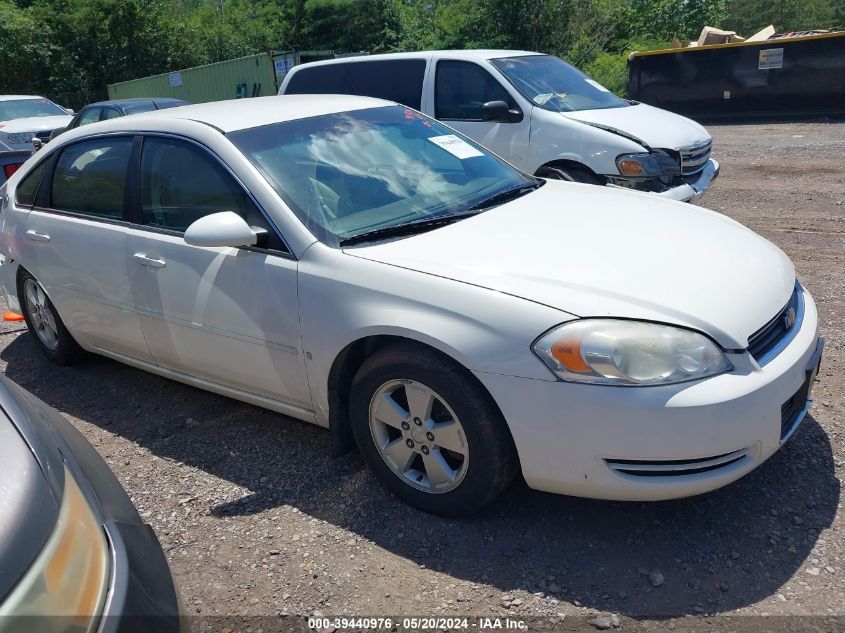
(716, 552)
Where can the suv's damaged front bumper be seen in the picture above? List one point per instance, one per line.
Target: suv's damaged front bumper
(692, 192)
(685, 192)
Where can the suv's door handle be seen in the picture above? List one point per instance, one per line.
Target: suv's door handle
(142, 259)
(35, 236)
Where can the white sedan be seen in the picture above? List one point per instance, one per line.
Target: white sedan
(355, 264)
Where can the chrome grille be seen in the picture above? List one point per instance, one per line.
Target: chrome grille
(694, 157)
(777, 329)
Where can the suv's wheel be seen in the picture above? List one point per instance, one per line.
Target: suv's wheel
(565, 172)
(50, 334)
(429, 431)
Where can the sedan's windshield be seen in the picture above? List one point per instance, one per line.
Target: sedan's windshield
(25, 108)
(359, 172)
(554, 85)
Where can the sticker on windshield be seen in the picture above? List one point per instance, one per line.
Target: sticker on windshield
(597, 85)
(541, 99)
(455, 146)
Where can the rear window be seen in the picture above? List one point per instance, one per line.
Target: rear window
(139, 108)
(399, 80)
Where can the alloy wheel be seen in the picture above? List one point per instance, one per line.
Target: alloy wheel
(41, 315)
(419, 436)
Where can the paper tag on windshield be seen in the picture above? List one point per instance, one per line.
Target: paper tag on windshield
(596, 84)
(455, 146)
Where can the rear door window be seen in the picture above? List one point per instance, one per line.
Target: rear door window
(399, 80)
(90, 178)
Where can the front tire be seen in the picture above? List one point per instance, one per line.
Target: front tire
(429, 431)
(568, 173)
(49, 332)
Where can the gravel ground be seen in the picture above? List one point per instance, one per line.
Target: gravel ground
(257, 519)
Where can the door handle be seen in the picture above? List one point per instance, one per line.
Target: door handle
(35, 236)
(152, 262)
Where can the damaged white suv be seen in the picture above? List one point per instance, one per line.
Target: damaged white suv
(536, 111)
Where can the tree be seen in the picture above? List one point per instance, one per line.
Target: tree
(746, 17)
(666, 19)
(23, 52)
(351, 25)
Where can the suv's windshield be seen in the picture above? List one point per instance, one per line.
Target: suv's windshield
(554, 85)
(365, 171)
(25, 108)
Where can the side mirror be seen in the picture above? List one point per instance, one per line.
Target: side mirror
(221, 229)
(69, 110)
(499, 112)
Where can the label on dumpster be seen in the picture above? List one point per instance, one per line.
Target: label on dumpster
(770, 58)
(455, 146)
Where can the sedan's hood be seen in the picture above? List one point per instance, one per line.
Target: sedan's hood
(652, 126)
(35, 124)
(593, 251)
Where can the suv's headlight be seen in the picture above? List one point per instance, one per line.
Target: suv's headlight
(629, 353)
(639, 165)
(69, 579)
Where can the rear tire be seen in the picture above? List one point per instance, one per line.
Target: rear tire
(569, 174)
(49, 332)
(429, 431)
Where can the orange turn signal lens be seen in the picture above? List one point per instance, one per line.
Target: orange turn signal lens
(630, 168)
(567, 351)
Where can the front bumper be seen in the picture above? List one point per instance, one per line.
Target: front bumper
(142, 595)
(692, 192)
(687, 192)
(679, 440)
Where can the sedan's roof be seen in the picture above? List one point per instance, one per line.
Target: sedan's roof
(137, 100)
(241, 114)
(19, 97)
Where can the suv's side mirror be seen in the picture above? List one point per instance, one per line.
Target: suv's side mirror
(221, 229)
(499, 112)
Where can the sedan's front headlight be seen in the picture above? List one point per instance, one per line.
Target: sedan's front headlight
(629, 353)
(20, 137)
(69, 579)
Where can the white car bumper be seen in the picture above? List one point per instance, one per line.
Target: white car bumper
(692, 192)
(652, 443)
(8, 283)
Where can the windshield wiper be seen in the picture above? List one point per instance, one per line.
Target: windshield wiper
(408, 228)
(506, 195)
